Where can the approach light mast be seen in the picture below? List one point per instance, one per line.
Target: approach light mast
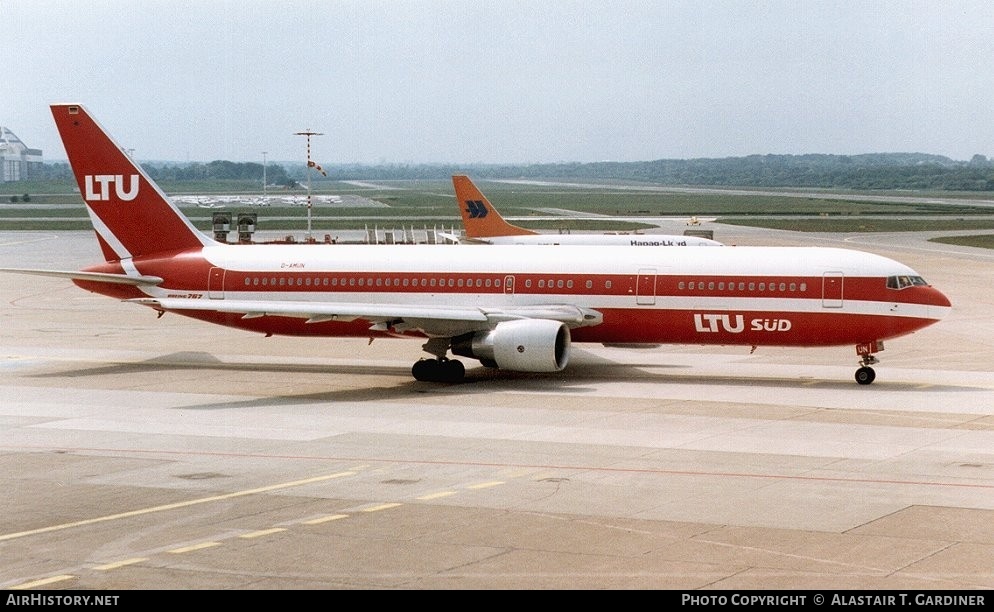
(310, 164)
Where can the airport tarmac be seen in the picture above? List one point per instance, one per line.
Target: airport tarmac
(144, 453)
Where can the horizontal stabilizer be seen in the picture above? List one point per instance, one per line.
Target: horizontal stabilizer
(96, 277)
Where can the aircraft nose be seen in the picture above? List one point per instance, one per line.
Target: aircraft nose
(938, 304)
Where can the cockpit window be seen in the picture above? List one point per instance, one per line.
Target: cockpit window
(904, 281)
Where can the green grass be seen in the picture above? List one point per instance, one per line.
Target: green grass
(864, 224)
(984, 241)
(432, 203)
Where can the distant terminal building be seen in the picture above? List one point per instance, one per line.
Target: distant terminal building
(17, 161)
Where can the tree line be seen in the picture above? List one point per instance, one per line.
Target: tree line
(220, 170)
(914, 171)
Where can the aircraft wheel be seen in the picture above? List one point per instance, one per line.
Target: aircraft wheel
(423, 369)
(452, 371)
(865, 375)
(435, 370)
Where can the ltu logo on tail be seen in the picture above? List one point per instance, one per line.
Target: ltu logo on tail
(102, 184)
(476, 209)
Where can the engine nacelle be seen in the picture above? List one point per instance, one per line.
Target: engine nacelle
(525, 345)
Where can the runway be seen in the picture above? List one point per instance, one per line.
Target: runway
(144, 453)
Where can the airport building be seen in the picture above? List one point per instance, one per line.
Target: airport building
(17, 161)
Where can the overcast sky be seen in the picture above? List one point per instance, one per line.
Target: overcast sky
(450, 81)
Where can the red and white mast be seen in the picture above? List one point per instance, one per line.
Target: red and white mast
(310, 164)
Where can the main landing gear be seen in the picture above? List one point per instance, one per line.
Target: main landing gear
(865, 374)
(438, 370)
(441, 368)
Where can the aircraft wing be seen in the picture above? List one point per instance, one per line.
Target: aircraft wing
(468, 240)
(463, 239)
(99, 277)
(445, 321)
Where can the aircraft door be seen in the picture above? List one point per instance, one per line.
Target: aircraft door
(831, 290)
(215, 284)
(509, 286)
(645, 287)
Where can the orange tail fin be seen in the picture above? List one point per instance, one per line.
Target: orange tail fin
(479, 218)
(130, 214)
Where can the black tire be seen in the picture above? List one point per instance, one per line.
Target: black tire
(452, 371)
(423, 369)
(434, 370)
(865, 375)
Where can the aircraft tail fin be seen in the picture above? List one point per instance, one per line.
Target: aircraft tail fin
(480, 219)
(130, 214)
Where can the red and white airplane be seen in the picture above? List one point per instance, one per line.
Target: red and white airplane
(484, 225)
(515, 307)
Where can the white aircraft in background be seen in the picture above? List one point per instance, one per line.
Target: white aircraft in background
(484, 225)
(515, 307)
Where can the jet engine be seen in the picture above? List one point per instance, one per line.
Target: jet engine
(524, 345)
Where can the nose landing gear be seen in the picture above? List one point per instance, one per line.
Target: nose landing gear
(865, 374)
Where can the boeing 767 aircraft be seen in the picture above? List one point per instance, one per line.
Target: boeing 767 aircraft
(515, 307)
